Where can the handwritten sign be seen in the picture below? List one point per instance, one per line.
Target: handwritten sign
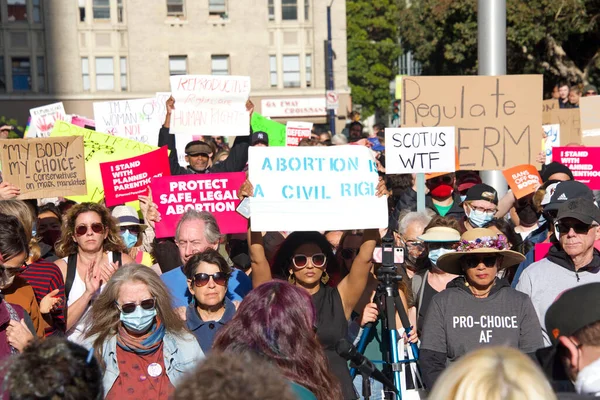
(590, 120)
(551, 140)
(43, 119)
(99, 147)
(207, 104)
(296, 131)
(419, 150)
(522, 179)
(215, 193)
(44, 167)
(314, 189)
(125, 180)
(584, 163)
(570, 124)
(547, 107)
(497, 118)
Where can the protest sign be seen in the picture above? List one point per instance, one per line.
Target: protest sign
(584, 163)
(125, 180)
(547, 107)
(551, 140)
(589, 108)
(411, 150)
(83, 121)
(542, 249)
(570, 124)
(296, 131)
(215, 193)
(44, 167)
(274, 129)
(497, 118)
(99, 147)
(522, 179)
(43, 119)
(315, 188)
(209, 105)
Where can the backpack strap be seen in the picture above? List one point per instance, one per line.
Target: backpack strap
(71, 271)
(117, 258)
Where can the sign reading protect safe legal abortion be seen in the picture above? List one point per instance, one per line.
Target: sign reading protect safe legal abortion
(215, 193)
(419, 150)
(314, 189)
(584, 162)
(125, 180)
(206, 104)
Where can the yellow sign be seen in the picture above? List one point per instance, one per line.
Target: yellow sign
(399, 87)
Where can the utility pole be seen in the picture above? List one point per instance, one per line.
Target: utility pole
(329, 58)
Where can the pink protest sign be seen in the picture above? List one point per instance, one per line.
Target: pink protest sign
(82, 121)
(125, 180)
(584, 162)
(296, 131)
(216, 193)
(542, 249)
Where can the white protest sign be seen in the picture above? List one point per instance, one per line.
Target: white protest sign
(210, 105)
(43, 118)
(427, 149)
(552, 133)
(315, 189)
(296, 131)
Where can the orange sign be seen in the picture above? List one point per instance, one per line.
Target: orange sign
(522, 179)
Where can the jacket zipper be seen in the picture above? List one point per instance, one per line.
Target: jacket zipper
(577, 275)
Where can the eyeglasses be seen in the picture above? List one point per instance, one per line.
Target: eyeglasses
(202, 279)
(198, 155)
(9, 272)
(447, 179)
(131, 228)
(580, 228)
(97, 227)
(419, 244)
(473, 261)
(483, 210)
(591, 93)
(300, 260)
(440, 245)
(348, 253)
(128, 308)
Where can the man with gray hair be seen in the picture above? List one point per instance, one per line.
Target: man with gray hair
(411, 225)
(197, 231)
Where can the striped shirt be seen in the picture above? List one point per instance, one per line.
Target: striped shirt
(44, 277)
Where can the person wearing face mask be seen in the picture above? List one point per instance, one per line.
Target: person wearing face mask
(132, 231)
(49, 220)
(527, 223)
(411, 224)
(480, 205)
(140, 341)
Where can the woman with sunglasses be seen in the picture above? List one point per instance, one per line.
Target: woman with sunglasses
(477, 309)
(207, 275)
(141, 343)
(93, 250)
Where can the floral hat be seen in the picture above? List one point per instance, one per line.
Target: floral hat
(479, 241)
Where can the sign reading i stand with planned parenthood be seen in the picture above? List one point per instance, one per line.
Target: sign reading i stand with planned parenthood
(419, 150)
(498, 119)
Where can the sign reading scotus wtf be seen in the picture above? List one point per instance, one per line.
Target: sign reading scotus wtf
(498, 119)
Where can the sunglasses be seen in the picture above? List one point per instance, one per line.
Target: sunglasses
(198, 155)
(130, 228)
(348, 253)
(202, 279)
(590, 93)
(97, 227)
(579, 227)
(440, 245)
(447, 179)
(11, 271)
(474, 261)
(128, 308)
(318, 260)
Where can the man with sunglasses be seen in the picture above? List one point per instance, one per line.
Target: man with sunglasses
(571, 262)
(590, 90)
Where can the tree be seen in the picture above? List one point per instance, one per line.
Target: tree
(557, 38)
(373, 51)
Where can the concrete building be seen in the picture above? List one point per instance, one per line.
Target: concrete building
(81, 51)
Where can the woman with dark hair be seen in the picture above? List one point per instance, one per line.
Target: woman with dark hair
(93, 250)
(277, 320)
(207, 276)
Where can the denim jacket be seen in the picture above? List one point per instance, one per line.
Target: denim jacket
(181, 354)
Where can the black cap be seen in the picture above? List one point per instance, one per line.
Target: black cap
(259, 137)
(568, 190)
(481, 191)
(555, 168)
(583, 210)
(573, 310)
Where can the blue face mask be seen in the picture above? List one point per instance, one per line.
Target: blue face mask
(463, 197)
(479, 218)
(138, 321)
(437, 253)
(129, 238)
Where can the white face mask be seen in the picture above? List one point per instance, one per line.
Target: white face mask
(588, 379)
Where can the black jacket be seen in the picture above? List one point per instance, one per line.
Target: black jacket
(407, 200)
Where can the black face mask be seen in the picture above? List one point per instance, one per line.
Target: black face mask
(528, 215)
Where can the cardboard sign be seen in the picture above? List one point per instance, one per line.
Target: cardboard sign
(44, 167)
(208, 104)
(570, 124)
(125, 180)
(547, 107)
(315, 189)
(584, 163)
(296, 131)
(215, 193)
(98, 148)
(551, 140)
(522, 179)
(43, 119)
(589, 108)
(497, 118)
(411, 150)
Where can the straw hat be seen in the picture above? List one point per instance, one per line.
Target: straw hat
(440, 234)
(127, 216)
(479, 241)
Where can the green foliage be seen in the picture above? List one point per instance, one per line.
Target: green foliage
(373, 51)
(11, 121)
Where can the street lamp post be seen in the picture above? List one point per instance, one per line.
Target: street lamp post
(330, 84)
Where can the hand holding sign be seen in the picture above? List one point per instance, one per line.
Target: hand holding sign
(8, 191)
(522, 179)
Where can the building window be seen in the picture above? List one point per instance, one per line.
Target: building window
(2, 75)
(36, 9)
(21, 73)
(271, 10)
(120, 11)
(308, 73)
(41, 74)
(105, 73)
(174, 8)
(273, 69)
(17, 10)
(289, 10)
(306, 10)
(178, 65)
(85, 73)
(82, 10)
(218, 8)
(123, 73)
(101, 9)
(291, 71)
(220, 65)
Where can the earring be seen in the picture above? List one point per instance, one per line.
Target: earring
(325, 278)
(292, 279)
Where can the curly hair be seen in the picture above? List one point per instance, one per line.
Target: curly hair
(66, 246)
(283, 258)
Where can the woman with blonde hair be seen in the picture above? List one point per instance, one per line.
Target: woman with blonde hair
(493, 373)
(139, 340)
(92, 250)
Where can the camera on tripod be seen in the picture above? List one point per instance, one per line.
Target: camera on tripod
(388, 256)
